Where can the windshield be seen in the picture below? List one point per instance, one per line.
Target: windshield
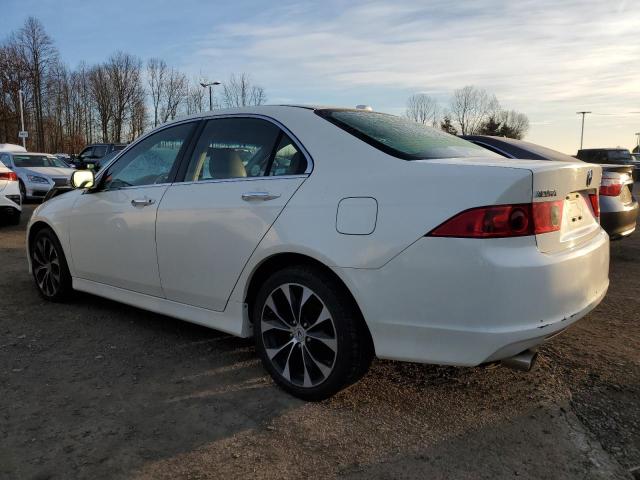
(26, 161)
(401, 137)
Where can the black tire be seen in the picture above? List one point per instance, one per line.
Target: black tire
(46, 252)
(353, 353)
(23, 192)
(14, 218)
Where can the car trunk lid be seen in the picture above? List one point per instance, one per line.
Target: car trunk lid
(574, 186)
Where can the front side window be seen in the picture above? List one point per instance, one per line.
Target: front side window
(99, 151)
(233, 148)
(402, 137)
(149, 162)
(86, 153)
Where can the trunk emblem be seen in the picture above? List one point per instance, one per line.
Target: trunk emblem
(589, 177)
(545, 193)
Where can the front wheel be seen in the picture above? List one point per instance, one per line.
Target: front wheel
(49, 267)
(309, 334)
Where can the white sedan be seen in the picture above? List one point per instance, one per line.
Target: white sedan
(331, 236)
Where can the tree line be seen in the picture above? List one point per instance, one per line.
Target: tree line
(471, 111)
(112, 101)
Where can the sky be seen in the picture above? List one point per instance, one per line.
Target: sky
(546, 58)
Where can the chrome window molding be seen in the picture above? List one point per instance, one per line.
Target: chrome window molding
(207, 117)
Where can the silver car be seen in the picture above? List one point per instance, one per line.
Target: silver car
(37, 172)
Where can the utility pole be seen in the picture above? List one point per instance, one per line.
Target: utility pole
(582, 131)
(24, 140)
(205, 85)
(638, 142)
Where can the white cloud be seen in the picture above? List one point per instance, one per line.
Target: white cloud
(546, 58)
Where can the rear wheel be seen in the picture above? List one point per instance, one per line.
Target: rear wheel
(49, 267)
(308, 333)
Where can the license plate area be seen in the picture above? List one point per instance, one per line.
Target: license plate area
(575, 208)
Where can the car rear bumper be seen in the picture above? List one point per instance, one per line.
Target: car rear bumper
(469, 301)
(622, 223)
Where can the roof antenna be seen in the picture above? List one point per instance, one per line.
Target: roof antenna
(367, 108)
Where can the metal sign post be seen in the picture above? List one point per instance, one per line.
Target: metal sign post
(23, 134)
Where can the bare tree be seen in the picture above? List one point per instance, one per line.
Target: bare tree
(513, 124)
(239, 92)
(103, 98)
(156, 72)
(195, 99)
(175, 92)
(124, 76)
(39, 52)
(422, 108)
(470, 107)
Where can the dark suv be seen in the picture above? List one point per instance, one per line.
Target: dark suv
(91, 155)
(607, 156)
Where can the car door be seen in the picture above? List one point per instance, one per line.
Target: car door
(112, 229)
(209, 224)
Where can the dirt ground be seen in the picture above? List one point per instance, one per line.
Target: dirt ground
(98, 390)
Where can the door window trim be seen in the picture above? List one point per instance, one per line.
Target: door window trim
(174, 169)
(186, 158)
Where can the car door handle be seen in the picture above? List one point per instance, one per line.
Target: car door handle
(264, 196)
(142, 202)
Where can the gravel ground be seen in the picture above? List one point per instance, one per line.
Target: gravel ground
(94, 389)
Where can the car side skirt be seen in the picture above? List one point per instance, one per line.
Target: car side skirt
(234, 320)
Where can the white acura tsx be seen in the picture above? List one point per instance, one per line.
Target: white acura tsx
(331, 236)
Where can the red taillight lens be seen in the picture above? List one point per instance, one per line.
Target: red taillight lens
(595, 204)
(547, 216)
(11, 176)
(503, 221)
(610, 187)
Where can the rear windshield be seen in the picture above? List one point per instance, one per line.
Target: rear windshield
(26, 161)
(401, 137)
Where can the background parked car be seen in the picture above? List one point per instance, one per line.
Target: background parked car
(10, 201)
(92, 154)
(10, 147)
(618, 207)
(37, 172)
(616, 156)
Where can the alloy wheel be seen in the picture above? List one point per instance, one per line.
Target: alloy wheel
(46, 266)
(299, 335)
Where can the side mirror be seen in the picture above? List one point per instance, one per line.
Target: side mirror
(82, 179)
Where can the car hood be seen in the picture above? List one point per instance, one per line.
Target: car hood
(46, 171)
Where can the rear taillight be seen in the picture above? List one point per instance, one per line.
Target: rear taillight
(11, 176)
(499, 221)
(610, 187)
(595, 204)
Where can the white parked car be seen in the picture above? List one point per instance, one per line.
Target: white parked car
(331, 236)
(10, 201)
(37, 172)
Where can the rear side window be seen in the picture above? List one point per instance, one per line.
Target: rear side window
(288, 160)
(401, 137)
(233, 148)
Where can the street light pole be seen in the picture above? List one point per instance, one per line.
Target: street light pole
(24, 140)
(582, 131)
(211, 84)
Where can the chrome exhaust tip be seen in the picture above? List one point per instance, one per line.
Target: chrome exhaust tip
(524, 361)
